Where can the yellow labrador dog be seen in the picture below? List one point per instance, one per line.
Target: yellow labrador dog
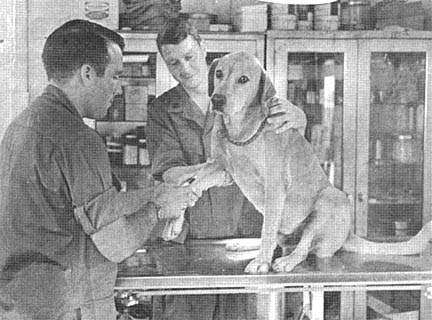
(279, 174)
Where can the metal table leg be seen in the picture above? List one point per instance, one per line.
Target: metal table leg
(271, 306)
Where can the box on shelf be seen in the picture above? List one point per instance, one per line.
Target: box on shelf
(251, 19)
(284, 22)
(326, 16)
(136, 98)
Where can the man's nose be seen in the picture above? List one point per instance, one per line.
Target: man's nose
(185, 68)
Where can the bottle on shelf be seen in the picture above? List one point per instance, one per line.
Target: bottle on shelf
(130, 149)
(114, 149)
(143, 154)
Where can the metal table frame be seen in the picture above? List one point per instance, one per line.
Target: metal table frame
(272, 287)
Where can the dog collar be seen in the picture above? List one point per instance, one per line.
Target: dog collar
(248, 141)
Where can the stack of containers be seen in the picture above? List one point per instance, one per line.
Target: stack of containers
(251, 18)
(304, 17)
(326, 16)
(283, 17)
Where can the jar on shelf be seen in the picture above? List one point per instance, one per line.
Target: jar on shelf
(406, 150)
(356, 15)
(130, 149)
(115, 151)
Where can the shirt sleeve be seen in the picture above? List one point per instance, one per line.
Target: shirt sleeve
(118, 222)
(164, 147)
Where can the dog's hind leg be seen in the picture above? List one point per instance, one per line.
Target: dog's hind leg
(300, 253)
(334, 209)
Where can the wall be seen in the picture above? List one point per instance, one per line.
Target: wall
(13, 57)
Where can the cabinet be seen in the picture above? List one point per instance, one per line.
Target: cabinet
(365, 95)
(145, 76)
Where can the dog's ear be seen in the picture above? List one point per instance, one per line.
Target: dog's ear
(266, 89)
(211, 76)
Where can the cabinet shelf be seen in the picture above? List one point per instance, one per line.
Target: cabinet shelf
(389, 238)
(376, 201)
(390, 162)
(410, 104)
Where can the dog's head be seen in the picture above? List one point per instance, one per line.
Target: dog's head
(238, 85)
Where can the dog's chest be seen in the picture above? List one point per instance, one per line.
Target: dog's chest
(246, 165)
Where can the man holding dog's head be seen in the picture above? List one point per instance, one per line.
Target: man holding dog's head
(178, 133)
(64, 225)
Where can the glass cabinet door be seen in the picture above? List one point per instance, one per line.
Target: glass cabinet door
(391, 140)
(317, 76)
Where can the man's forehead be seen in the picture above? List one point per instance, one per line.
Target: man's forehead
(188, 45)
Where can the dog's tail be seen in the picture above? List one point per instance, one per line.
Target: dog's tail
(415, 245)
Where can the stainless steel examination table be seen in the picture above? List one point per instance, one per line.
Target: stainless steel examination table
(205, 267)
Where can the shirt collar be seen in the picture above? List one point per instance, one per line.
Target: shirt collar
(188, 107)
(56, 94)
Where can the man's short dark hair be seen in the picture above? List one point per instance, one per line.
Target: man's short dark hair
(75, 43)
(174, 31)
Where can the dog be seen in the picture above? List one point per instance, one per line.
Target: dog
(279, 174)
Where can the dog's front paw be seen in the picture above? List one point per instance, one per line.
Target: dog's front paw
(284, 264)
(258, 266)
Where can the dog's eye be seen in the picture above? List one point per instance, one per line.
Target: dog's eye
(219, 74)
(243, 79)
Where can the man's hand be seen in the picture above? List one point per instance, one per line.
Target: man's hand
(180, 176)
(283, 115)
(173, 200)
(211, 175)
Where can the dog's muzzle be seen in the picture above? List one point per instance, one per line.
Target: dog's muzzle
(218, 101)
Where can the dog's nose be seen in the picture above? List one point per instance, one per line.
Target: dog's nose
(218, 101)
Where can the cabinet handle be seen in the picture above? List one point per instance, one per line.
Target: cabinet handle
(360, 197)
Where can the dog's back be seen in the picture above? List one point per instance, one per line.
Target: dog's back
(302, 165)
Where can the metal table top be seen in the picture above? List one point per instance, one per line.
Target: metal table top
(208, 267)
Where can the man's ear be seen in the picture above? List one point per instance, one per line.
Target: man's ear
(87, 74)
(203, 46)
(211, 76)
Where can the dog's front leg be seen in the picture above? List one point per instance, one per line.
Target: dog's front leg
(273, 210)
(274, 198)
